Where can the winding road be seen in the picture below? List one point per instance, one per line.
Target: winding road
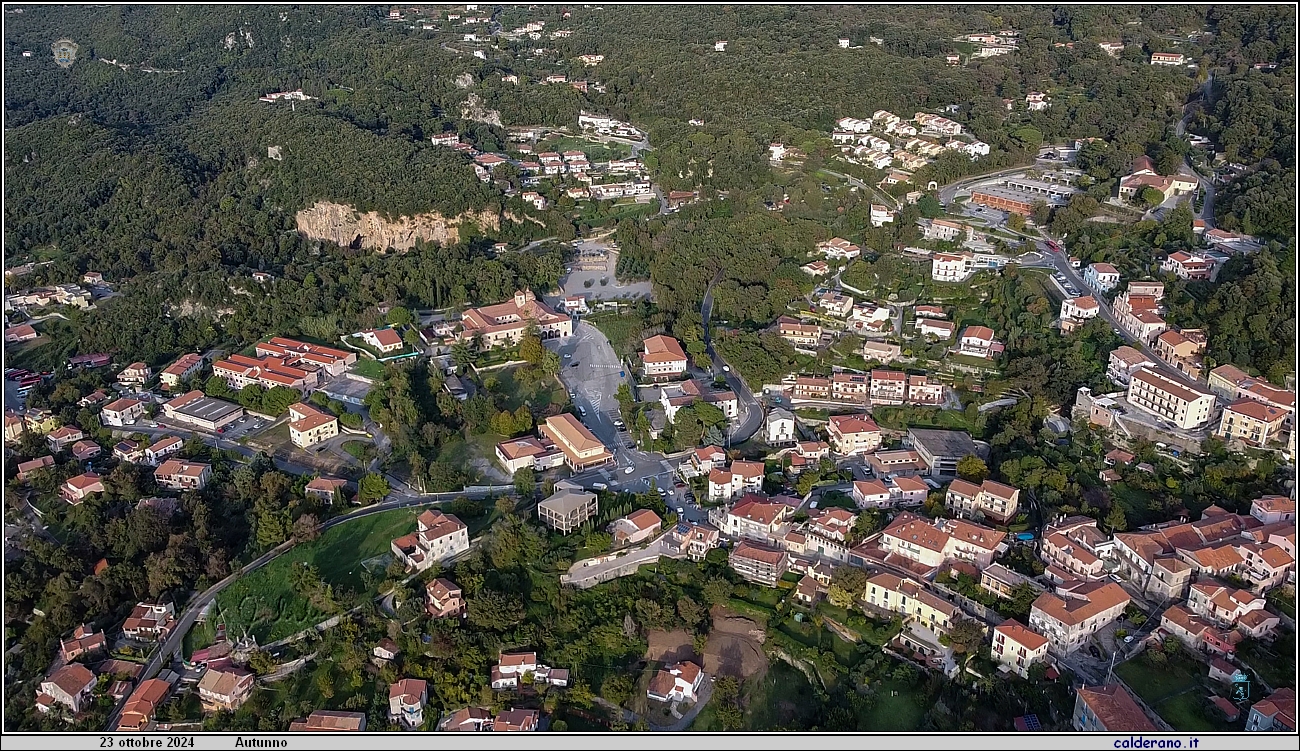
(751, 411)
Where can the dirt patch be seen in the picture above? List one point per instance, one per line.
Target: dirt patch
(670, 646)
(735, 646)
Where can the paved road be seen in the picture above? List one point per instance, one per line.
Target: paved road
(750, 417)
(1062, 264)
(871, 189)
(948, 192)
(594, 384)
(172, 645)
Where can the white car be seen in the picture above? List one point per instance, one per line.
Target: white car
(680, 510)
(568, 355)
(629, 470)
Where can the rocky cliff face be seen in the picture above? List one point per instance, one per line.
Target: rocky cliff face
(349, 228)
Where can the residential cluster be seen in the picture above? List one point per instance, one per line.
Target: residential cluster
(888, 140)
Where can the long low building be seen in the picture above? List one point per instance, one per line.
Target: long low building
(202, 412)
(581, 448)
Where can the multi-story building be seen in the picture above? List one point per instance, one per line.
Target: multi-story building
(1252, 422)
(662, 357)
(1232, 384)
(175, 474)
(225, 689)
(852, 435)
(70, 686)
(678, 682)
(582, 450)
(978, 341)
(911, 600)
(309, 426)
(1273, 713)
(121, 412)
(991, 500)
(150, 621)
(839, 249)
(753, 519)
(443, 599)
(888, 387)
(506, 323)
(1124, 360)
(740, 478)
(383, 340)
(567, 509)
(186, 366)
(1070, 618)
(1109, 709)
(1271, 509)
(406, 699)
(1190, 266)
(1182, 349)
(850, 387)
(437, 537)
(758, 563)
(951, 267)
(1017, 647)
(1102, 277)
(930, 544)
(1188, 408)
(871, 494)
(799, 334)
(921, 390)
(1079, 308)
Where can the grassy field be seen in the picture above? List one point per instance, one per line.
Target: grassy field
(595, 151)
(1177, 691)
(265, 603)
(538, 396)
(1135, 502)
(361, 450)
(623, 331)
(369, 368)
(900, 707)
(782, 698)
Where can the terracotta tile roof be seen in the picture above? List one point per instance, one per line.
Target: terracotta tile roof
(1257, 410)
(1115, 709)
(758, 553)
(757, 511)
(1086, 601)
(644, 519)
(1020, 634)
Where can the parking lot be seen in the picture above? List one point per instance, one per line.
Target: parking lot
(575, 282)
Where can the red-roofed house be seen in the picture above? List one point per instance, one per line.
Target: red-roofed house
(852, 435)
(977, 341)
(150, 621)
(384, 340)
(1252, 422)
(635, 527)
(438, 536)
(444, 599)
(753, 518)
(740, 478)
(1017, 647)
(121, 412)
(186, 366)
(1274, 713)
(675, 683)
(78, 488)
(662, 357)
(70, 685)
(309, 426)
(406, 700)
(175, 474)
(991, 500)
(1109, 709)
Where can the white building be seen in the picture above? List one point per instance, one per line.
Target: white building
(1188, 408)
(780, 427)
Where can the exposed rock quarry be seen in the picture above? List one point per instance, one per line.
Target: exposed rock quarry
(474, 109)
(349, 228)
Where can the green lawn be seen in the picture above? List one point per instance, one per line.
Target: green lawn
(623, 331)
(899, 707)
(266, 604)
(361, 450)
(369, 368)
(595, 151)
(1178, 691)
(538, 395)
(1135, 502)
